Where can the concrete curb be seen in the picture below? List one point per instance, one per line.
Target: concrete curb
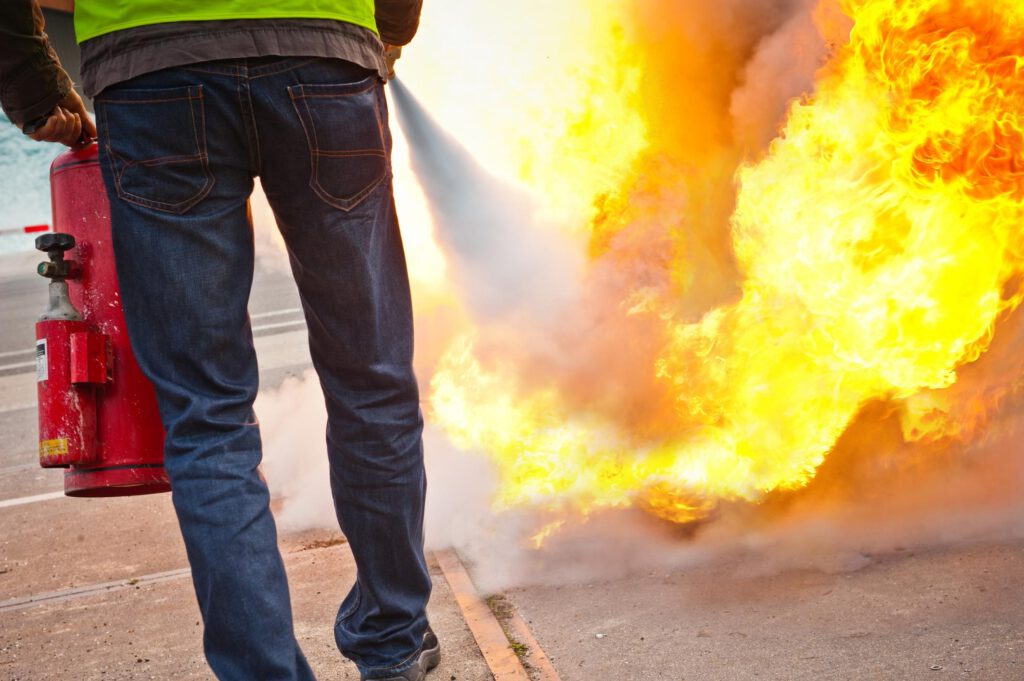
(491, 638)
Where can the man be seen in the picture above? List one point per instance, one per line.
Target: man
(191, 106)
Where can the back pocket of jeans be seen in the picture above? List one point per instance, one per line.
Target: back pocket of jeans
(345, 132)
(158, 147)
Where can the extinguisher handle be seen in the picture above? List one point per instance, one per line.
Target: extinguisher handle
(56, 244)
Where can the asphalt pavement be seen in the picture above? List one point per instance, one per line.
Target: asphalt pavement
(99, 588)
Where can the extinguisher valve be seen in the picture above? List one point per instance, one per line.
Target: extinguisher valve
(55, 245)
(58, 271)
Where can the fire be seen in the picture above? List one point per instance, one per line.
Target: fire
(874, 247)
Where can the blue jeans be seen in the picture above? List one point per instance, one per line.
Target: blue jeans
(179, 149)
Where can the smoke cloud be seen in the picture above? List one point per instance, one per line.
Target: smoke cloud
(293, 422)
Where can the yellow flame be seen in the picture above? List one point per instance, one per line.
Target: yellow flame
(877, 242)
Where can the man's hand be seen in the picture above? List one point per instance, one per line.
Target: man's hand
(68, 124)
(391, 55)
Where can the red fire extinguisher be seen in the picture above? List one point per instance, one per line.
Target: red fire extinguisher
(97, 411)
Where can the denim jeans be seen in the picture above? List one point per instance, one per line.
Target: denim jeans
(179, 149)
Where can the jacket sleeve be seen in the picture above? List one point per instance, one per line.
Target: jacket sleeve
(31, 78)
(397, 20)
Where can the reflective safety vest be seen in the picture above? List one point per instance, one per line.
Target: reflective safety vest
(96, 17)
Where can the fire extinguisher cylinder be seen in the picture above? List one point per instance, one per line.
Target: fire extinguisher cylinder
(98, 414)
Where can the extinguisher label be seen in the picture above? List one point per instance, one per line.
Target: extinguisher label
(49, 449)
(42, 366)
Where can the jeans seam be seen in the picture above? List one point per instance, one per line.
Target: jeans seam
(349, 152)
(263, 72)
(352, 609)
(248, 112)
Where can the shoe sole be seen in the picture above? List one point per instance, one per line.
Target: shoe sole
(430, 658)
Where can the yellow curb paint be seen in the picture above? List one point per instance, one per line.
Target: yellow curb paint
(490, 637)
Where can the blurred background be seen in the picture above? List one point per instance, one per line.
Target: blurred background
(24, 164)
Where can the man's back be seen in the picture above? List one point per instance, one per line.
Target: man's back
(189, 112)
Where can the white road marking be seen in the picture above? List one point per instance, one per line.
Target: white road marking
(92, 590)
(19, 365)
(261, 327)
(21, 501)
(278, 325)
(261, 315)
(18, 407)
(60, 595)
(275, 313)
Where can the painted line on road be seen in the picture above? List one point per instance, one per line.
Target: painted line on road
(490, 637)
(12, 353)
(34, 499)
(278, 325)
(68, 594)
(19, 407)
(276, 313)
(295, 323)
(92, 590)
(19, 365)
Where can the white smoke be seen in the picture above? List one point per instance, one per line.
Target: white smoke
(293, 420)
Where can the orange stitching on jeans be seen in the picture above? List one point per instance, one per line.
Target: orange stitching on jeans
(160, 160)
(149, 101)
(373, 83)
(342, 153)
(227, 71)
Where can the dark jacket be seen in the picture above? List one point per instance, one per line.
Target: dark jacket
(32, 80)
(397, 20)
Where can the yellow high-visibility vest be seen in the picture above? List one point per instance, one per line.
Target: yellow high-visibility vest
(96, 17)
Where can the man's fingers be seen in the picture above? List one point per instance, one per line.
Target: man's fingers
(65, 127)
(53, 129)
(89, 126)
(75, 105)
(73, 131)
(68, 124)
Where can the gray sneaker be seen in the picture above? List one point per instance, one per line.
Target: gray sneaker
(429, 657)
